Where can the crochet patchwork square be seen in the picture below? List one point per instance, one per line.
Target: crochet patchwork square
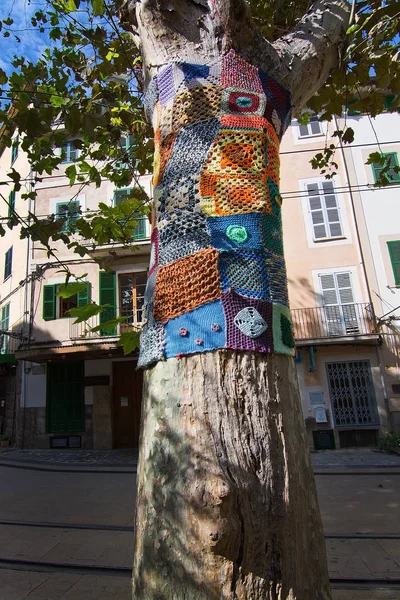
(237, 152)
(191, 148)
(242, 102)
(237, 73)
(166, 84)
(236, 232)
(198, 104)
(186, 284)
(248, 323)
(180, 197)
(245, 272)
(185, 235)
(154, 251)
(277, 281)
(233, 195)
(283, 331)
(152, 339)
(271, 233)
(200, 330)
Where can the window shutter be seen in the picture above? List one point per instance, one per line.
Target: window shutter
(84, 296)
(140, 231)
(14, 149)
(11, 203)
(68, 212)
(120, 195)
(49, 302)
(391, 175)
(108, 296)
(345, 288)
(5, 322)
(317, 215)
(394, 253)
(8, 263)
(328, 289)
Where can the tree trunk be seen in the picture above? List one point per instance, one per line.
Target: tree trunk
(226, 504)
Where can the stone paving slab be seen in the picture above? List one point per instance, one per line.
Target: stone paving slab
(354, 458)
(71, 457)
(27, 585)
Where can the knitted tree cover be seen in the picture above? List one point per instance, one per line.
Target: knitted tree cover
(217, 276)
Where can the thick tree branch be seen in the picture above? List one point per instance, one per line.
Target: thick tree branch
(311, 50)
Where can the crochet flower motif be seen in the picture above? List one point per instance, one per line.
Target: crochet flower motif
(183, 332)
(199, 342)
(215, 327)
(250, 322)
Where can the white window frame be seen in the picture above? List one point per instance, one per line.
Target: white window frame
(313, 119)
(345, 238)
(354, 278)
(313, 138)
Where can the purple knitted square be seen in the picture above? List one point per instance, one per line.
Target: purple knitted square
(248, 323)
(166, 87)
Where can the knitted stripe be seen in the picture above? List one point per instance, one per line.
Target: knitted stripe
(186, 284)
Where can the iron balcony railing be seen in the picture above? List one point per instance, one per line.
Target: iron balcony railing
(346, 320)
(83, 331)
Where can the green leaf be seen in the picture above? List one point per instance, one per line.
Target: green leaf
(71, 174)
(98, 7)
(109, 325)
(130, 341)
(84, 312)
(70, 289)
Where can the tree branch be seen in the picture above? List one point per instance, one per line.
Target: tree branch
(311, 50)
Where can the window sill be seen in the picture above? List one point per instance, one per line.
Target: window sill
(312, 135)
(330, 239)
(8, 277)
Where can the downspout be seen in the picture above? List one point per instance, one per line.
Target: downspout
(364, 269)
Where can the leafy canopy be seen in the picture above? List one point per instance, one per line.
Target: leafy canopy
(86, 89)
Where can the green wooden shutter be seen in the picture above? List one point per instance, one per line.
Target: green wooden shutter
(108, 296)
(49, 302)
(11, 203)
(391, 175)
(84, 297)
(14, 149)
(5, 322)
(140, 231)
(65, 402)
(394, 253)
(121, 195)
(8, 263)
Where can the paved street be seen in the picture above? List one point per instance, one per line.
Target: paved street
(93, 512)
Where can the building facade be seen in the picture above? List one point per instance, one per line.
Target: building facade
(65, 385)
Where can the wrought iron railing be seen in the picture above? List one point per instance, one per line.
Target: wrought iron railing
(333, 321)
(85, 331)
(12, 339)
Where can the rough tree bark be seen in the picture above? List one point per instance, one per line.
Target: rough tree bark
(226, 503)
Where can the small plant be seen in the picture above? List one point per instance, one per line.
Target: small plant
(390, 442)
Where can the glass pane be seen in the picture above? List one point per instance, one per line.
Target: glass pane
(303, 130)
(315, 202)
(319, 232)
(333, 215)
(335, 229)
(315, 126)
(317, 217)
(330, 201)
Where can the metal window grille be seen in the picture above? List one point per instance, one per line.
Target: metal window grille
(352, 394)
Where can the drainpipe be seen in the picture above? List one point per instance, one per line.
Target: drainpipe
(364, 269)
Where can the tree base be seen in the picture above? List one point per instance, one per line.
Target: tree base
(226, 504)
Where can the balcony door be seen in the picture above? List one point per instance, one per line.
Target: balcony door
(339, 307)
(131, 298)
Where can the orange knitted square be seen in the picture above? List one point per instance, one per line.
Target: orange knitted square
(164, 156)
(186, 284)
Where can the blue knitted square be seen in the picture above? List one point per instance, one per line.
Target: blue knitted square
(191, 148)
(233, 232)
(200, 330)
(193, 71)
(245, 272)
(271, 232)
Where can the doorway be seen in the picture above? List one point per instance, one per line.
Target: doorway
(127, 402)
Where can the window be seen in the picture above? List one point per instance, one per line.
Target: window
(69, 152)
(141, 230)
(107, 287)
(313, 127)
(394, 253)
(69, 213)
(127, 146)
(5, 323)
(55, 307)
(391, 175)
(338, 298)
(131, 297)
(324, 210)
(11, 203)
(14, 149)
(8, 263)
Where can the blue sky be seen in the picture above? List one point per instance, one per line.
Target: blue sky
(32, 42)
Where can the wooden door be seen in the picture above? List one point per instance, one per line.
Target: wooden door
(65, 397)
(127, 401)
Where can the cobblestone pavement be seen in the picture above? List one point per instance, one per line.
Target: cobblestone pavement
(353, 458)
(109, 458)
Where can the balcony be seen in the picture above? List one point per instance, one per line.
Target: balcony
(83, 331)
(347, 323)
